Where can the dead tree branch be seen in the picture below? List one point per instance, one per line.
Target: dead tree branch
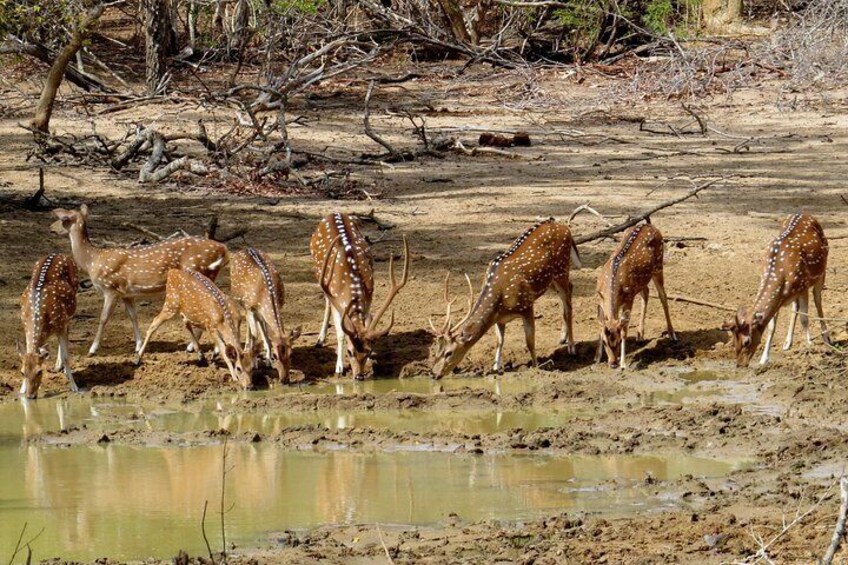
(606, 232)
(839, 530)
(393, 153)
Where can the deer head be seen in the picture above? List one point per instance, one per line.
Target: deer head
(450, 346)
(69, 221)
(32, 369)
(281, 353)
(242, 361)
(746, 331)
(612, 333)
(361, 330)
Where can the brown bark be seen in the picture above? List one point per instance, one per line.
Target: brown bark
(44, 109)
(453, 13)
(159, 40)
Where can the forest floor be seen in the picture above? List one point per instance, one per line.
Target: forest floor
(779, 155)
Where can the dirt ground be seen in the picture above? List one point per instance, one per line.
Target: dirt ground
(779, 157)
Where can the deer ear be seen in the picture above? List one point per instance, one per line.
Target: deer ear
(43, 353)
(295, 333)
(62, 214)
(84, 211)
(758, 319)
(729, 325)
(600, 314)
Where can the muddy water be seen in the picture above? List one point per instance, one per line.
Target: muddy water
(27, 419)
(134, 502)
(129, 502)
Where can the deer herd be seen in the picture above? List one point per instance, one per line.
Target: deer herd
(185, 269)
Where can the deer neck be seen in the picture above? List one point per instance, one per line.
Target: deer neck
(81, 247)
(483, 316)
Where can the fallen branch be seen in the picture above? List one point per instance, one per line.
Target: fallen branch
(33, 202)
(698, 302)
(839, 530)
(458, 146)
(143, 230)
(606, 232)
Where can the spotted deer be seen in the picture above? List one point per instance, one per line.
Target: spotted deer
(47, 306)
(796, 262)
(344, 266)
(540, 258)
(258, 287)
(127, 273)
(203, 305)
(636, 262)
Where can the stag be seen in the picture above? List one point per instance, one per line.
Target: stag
(540, 258)
(344, 266)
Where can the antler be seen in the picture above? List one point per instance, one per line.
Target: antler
(470, 304)
(393, 291)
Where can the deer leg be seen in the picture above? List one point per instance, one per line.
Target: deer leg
(192, 339)
(530, 336)
(340, 342)
(129, 308)
(198, 333)
(790, 334)
(771, 327)
(58, 366)
(263, 333)
(599, 353)
(660, 284)
(109, 301)
(622, 363)
(222, 348)
(165, 315)
(322, 335)
(564, 289)
(640, 334)
(63, 358)
(817, 290)
(804, 308)
(500, 330)
(252, 332)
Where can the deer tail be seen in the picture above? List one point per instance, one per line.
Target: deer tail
(575, 256)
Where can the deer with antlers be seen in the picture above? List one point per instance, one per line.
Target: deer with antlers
(203, 305)
(344, 266)
(540, 258)
(47, 306)
(636, 262)
(128, 273)
(796, 262)
(258, 287)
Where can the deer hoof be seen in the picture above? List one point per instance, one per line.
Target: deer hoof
(202, 362)
(137, 361)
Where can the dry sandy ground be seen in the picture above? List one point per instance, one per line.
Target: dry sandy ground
(457, 213)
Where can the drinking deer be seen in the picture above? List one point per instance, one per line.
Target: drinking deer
(344, 266)
(257, 286)
(47, 306)
(128, 273)
(796, 261)
(203, 305)
(636, 262)
(540, 258)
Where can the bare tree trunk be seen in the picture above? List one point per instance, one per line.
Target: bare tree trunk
(454, 15)
(240, 34)
(44, 110)
(721, 15)
(160, 40)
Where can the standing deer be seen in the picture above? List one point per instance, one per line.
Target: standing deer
(257, 286)
(47, 306)
(539, 259)
(796, 261)
(203, 305)
(345, 270)
(637, 261)
(128, 273)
